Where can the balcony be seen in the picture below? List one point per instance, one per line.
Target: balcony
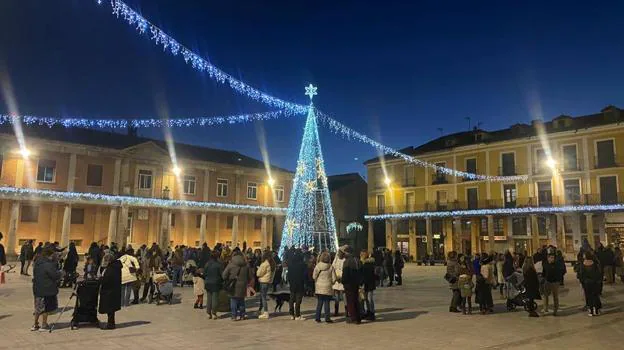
(509, 171)
(409, 183)
(472, 171)
(608, 162)
(438, 179)
(572, 165)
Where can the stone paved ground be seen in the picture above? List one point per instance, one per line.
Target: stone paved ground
(414, 315)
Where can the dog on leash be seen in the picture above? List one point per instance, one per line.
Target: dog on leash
(280, 299)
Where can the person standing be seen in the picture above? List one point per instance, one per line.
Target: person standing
(70, 264)
(296, 281)
(213, 282)
(338, 264)
(324, 277)
(369, 283)
(129, 267)
(110, 288)
(239, 275)
(500, 273)
(177, 264)
(26, 257)
(485, 281)
(399, 263)
(452, 276)
(618, 262)
(607, 261)
(2, 260)
(553, 275)
(389, 267)
(591, 279)
(45, 288)
(531, 284)
(265, 274)
(351, 279)
(379, 270)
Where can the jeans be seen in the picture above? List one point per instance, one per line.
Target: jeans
(212, 301)
(27, 264)
(296, 297)
(369, 301)
(455, 300)
(126, 290)
(177, 275)
(237, 307)
(608, 274)
(264, 303)
(551, 288)
(148, 288)
(322, 301)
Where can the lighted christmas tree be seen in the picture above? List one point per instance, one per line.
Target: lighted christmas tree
(310, 220)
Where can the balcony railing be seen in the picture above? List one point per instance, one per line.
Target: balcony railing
(438, 178)
(509, 171)
(602, 163)
(525, 202)
(409, 182)
(475, 171)
(565, 166)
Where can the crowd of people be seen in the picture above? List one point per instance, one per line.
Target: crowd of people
(524, 279)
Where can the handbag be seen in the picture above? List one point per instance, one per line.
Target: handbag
(449, 278)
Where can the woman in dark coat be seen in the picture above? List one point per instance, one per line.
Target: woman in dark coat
(110, 290)
(591, 279)
(71, 261)
(94, 253)
(531, 283)
(399, 263)
(239, 271)
(213, 282)
(389, 267)
(296, 281)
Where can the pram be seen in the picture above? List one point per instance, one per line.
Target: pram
(85, 310)
(163, 288)
(69, 280)
(189, 270)
(516, 293)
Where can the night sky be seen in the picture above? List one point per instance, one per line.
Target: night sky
(395, 70)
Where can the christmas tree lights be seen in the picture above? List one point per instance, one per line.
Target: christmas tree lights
(309, 218)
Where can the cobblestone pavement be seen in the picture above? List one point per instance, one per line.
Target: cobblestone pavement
(414, 315)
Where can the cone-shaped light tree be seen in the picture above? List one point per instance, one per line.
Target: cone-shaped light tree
(310, 219)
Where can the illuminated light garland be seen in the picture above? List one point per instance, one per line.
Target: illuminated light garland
(119, 123)
(499, 211)
(169, 44)
(350, 134)
(354, 226)
(37, 194)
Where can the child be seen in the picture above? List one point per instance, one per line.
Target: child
(198, 288)
(90, 269)
(465, 287)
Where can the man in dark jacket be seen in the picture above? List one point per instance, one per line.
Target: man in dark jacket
(351, 279)
(296, 281)
(45, 288)
(553, 274)
(237, 270)
(26, 257)
(110, 290)
(608, 258)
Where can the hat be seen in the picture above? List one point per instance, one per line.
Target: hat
(343, 248)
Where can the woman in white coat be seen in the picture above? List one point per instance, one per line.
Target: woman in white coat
(338, 287)
(129, 267)
(324, 277)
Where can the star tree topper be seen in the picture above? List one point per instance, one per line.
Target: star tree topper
(311, 91)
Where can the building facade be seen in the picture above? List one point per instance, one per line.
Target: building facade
(348, 196)
(570, 162)
(162, 200)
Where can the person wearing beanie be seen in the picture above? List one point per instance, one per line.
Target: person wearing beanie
(553, 275)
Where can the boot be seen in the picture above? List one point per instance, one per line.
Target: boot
(336, 306)
(346, 311)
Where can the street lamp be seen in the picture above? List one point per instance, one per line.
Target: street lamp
(551, 163)
(176, 170)
(271, 182)
(25, 152)
(387, 181)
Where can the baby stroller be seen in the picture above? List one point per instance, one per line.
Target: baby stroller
(516, 293)
(163, 288)
(189, 270)
(69, 279)
(85, 310)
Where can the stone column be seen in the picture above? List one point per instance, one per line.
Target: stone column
(457, 234)
(53, 222)
(429, 235)
(165, 229)
(66, 226)
(395, 234)
(97, 224)
(590, 229)
(12, 234)
(71, 174)
(389, 234)
(202, 229)
(112, 227)
(474, 235)
(234, 231)
(217, 227)
(560, 238)
(237, 187)
(185, 221)
(371, 236)
(534, 233)
(263, 233)
(116, 177)
(122, 227)
(413, 249)
(490, 226)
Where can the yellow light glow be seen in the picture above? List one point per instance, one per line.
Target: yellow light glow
(388, 181)
(176, 170)
(25, 152)
(271, 182)
(551, 163)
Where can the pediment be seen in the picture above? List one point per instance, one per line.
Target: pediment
(147, 150)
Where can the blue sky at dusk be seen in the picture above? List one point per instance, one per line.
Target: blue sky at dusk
(395, 70)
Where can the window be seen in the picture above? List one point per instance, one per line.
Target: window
(145, 179)
(483, 227)
(567, 224)
(258, 224)
(542, 226)
(381, 203)
(439, 177)
(572, 190)
(472, 196)
(471, 165)
(46, 170)
(509, 193)
(230, 222)
(608, 189)
(508, 165)
(499, 228)
(410, 175)
(77, 216)
(519, 226)
(222, 187)
(570, 162)
(279, 193)
(172, 222)
(544, 193)
(189, 184)
(541, 165)
(30, 213)
(94, 174)
(379, 178)
(583, 223)
(252, 190)
(605, 153)
(441, 200)
(257, 244)
(410, 201)
(198, 221)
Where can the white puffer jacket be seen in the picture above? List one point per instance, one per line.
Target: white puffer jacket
(338, 264)
(128, 261)
(324, 277)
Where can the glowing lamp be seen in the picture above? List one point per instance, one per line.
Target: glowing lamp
(176, 170)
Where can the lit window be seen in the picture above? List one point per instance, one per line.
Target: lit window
(252, 190)
(145, 179)
(279, 193)
(46, 170)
